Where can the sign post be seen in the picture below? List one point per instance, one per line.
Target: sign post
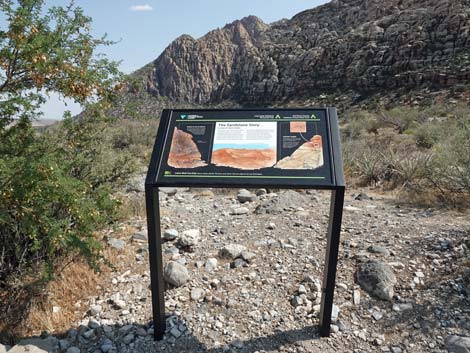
(276, 148)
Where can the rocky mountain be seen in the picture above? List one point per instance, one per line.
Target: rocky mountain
(356, 47)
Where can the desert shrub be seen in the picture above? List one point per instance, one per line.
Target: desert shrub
(406, 168)
(401, 118)
(135, 136)
(449, 170)
(369, 166)
(46, 212)
(427, 135)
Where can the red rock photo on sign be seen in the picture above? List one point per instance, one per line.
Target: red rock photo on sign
(246, 159)
(184, 152)
(307, 156)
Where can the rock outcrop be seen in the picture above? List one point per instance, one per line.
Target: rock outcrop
(364, 47)
(184, 152)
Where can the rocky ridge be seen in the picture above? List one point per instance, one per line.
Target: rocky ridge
(346, 46)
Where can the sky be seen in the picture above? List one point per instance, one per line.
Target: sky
(144, 28)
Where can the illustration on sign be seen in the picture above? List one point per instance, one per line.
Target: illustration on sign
(246, 146)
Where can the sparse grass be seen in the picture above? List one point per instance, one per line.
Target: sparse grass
(423, 153)
(69, 290)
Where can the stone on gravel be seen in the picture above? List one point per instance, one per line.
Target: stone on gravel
(377, 249)
(196, 294)
(189, 237)
(63, 344)
(239, 211)
(175, 332)
(211, 264)
(176, 274)
(116, 243)
(127, 339)
(95, 309)
(119, 303)
(289, 199)
(73, 350)
(246, 196)
(402, 307)
(302, 289)
(106, 347)
(231, 251)
(168, 191)
(376, 278)
(356, 297)
(140, 236)
(261, 192)
(457, 344)
(377, 315)
(93, 324)
(239, 263)
(34, 345)
(29, 348)
(248, 256)
(170, 234)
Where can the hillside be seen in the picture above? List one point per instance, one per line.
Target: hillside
(398, 51)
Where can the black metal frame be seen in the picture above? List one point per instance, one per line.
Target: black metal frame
(333, 234)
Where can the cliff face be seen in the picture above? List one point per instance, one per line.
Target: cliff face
(361, 46)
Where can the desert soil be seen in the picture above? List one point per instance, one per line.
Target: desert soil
(266, 300)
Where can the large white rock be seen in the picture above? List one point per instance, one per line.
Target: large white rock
(231, 251)
(189, 237)
(176, 274)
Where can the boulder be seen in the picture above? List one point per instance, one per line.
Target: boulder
(176, 274)
(376, 278)
(231, 251)
(457, 344)
(189, 237)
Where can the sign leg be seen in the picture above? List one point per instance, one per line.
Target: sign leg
(331, 260)
(157, 283)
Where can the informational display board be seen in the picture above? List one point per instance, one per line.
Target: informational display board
(272, 148)
(238, 147)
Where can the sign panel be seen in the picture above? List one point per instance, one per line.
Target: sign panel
(246, 147)
(284, 148)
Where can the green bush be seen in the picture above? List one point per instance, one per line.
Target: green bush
(449, 170)
(56, 193)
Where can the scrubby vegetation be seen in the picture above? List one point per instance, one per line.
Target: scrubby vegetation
(54, 186)
(423, 152)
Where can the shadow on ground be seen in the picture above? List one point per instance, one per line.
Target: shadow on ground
(308, 337)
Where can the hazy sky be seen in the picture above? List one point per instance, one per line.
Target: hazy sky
(144, 28)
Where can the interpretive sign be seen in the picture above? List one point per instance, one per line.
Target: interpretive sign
(216, 147)
(281, 148)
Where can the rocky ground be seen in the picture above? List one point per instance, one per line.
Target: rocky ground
(245, 273)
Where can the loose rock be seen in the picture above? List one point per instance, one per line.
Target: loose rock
(176, 274)
(377, 278)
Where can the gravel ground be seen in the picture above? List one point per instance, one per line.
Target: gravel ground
(248, 270)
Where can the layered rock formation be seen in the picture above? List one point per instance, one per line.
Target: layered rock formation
(245, 159)
(308, 156)
(184, 152)
(358, 46)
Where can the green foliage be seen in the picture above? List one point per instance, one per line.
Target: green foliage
(55, 187)
(414, 149)
(49, 51)
(45, 213)
(450, 168)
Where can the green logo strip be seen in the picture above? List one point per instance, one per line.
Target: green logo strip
(243, 176)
